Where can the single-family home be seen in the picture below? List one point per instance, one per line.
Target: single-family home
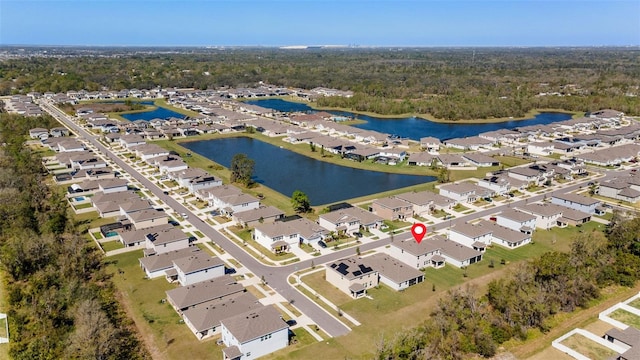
(464, 192)
(261, 215)
(505, 236)
(393, 272)
(253, 334)
(547, 215)
(130, 238)
(517, 220)
(391, 208)
(147, 218)
(157, 265)
(628, 339)
(352, 276)
(431, 144)
(185, 297)
(197, 267)
(576, 202)
(420, 255)
(204, 319)
(453, 252)
(425, 202)
(480, 160)
(474, 236)
(573, 217)
(166, 240)
(280, 235)
(349, 220)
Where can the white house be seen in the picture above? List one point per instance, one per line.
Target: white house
(517, 220)
(547, 215)
(474, 236)
(198, 267)
(166, 240)
(455, 253)
(461, 192)
(292, 232)
(419, 255)
(393, 272)
(254, 333)
(576, 202)
(157, 265)
(352, 276)
(349, 220)
(505, 236)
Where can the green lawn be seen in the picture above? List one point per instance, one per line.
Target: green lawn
(245, 235)
(4, 308)
(112, 245)
(154, 318)
(626, 318)
(635, 303)
(588, 348)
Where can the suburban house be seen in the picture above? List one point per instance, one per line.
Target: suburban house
(517, 220)
(130, 238)
(352, 276)
(230, 199)
(261, 215)
(425, 202)
(132, 140)
(505, 236)
(480, 160)
(628, 339)
(158, 265)
(204, 319)
(349, 220)
(185, 297)
(421, 159)
(625, 188)
(431, 144)
(528, 175)
(254, 333)
(464, 192)
(547, 215)
(163, 241)
(149, 151)
(147, 218)
(501, 184)
(576, 202)
(540, 148)
(280, 235)
(108, 204)
(453, 252)
(393, 272)
(197, 267)
(573, 217)
(419, 255)
(474, 236)
(195, 179)
(391, 208)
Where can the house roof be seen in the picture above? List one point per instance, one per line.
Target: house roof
(391, 202)
(578, 199)
(209, 314)
(542, 209)
(197, 262)
(147, 214)
(423, 198)
(303, 227)
(165, 260)
(479, 158)
(460, 188)
(453, 249)
(256, 214)
(135, 204)
(254, 323)
(504, 233)
(351, 214)
(573, 214)
(391, 268)
(415, 248)
(198, 293)
(518, 216)
(165, 236)
(471, 230)
(351, 268)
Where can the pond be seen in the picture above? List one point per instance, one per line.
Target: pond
(158, 113)
(286, 171)
(416, 128)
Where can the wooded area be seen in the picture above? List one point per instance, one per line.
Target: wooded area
(62, 302)
(465, 322)
(443, 83)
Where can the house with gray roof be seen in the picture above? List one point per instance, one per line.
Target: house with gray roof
(517, 220)
(464, 192)
(625, 188)
(547, 215)
(162, 241)
(261, 215)
(576, 202)
(629, 339)
(197, 267)
(505, 236)
(391, 208)
(130, 238)
(185, 297)
(453, 252)
(474, 236)
(349, 220)
(419, 255)
(157, 265)
(393, 272)
(425, 202)
(204, 319)
(254, 333)
(480, 160)
(352, 276)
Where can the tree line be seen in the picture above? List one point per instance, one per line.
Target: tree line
(62, 303)
(465, 322)
(444, 83)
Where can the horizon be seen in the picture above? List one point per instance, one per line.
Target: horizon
(347, 23)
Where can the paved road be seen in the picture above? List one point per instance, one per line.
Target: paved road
(277, 276)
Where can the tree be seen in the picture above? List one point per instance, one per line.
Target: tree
(242, 169)
(444, 175)
(300, 202)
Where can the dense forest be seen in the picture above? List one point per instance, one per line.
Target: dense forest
(62, 304)
(444, 83)
(465, 322)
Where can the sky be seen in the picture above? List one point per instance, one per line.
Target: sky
(316, 22)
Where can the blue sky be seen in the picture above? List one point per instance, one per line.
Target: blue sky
(340, 22)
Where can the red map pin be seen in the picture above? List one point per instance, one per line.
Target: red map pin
(419, 231)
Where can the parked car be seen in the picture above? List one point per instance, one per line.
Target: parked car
(488, 199)
(322, 244)
(357, 234)
(292, 322)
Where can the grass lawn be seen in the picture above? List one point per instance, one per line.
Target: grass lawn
(198, 234)
(302, 339)
(97, 235)
(588, 348)
(635, 303)
(112, 245)
(155, 320)
(626, 318)
(257, 293)
(245, 235)
(4, 308)
(291, 308)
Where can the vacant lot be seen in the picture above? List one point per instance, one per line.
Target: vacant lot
(589, 348)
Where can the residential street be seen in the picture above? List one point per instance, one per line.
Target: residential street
(276, 277)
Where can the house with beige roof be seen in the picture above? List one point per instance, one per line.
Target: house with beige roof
(391, 208)
(474, 236)
(419, 255)
(185, 297)
(281, 235)
(576, 202)
(517, 220)
(464, 192)
(162, 241)
(349, 220)
(157, 265)
(261, 215)
(505, 236)
(352, 276)
(547, 215)
(393, 272)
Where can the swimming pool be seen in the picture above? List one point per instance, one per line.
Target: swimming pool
(79, 198)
